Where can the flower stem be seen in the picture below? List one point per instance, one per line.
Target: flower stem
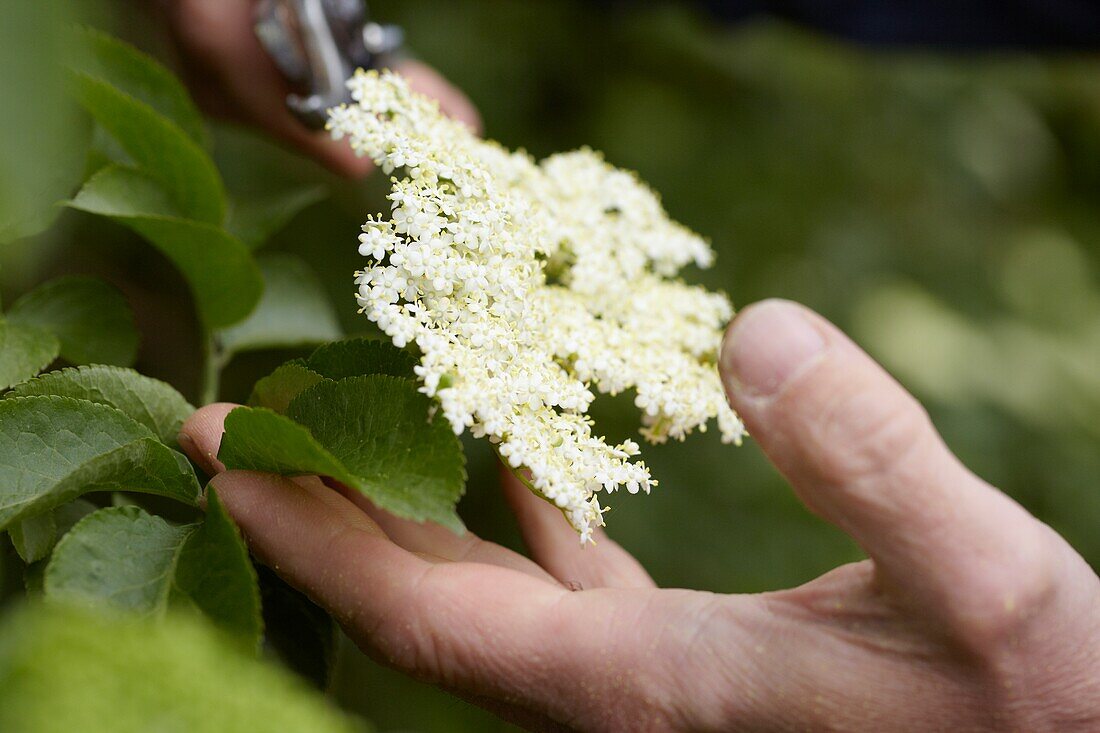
(517, 472)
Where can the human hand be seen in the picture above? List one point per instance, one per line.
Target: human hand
(231, 76)
(971, 615)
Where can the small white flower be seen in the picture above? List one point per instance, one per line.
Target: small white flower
(524, 286)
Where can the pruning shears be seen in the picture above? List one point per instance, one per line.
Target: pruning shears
(318, 44)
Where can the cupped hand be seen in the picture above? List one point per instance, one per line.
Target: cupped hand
(970, 614)
(232, 77)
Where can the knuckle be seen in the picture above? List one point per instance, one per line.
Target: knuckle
(468, 548)
(880, 436)
(1007, 602)
(703, 680)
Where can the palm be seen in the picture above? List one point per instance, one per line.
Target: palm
(971, 615)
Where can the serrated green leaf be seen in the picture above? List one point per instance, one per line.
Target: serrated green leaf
(215, 575)
(294, 310)
(64, 670)
(255, 219)
(53, 449)
(154, 404)
(159, 146)
(223, 276)
(130, 560)
(34, 537)
(24, 351)
(50, 526)
(338, 360)
(371, 433)
(258, 439)
(358, 357)
(122, 557)
(276, 390)
(139, 75)
(379, 427)
(91, 319)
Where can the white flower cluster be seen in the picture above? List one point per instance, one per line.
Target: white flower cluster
(524, 285)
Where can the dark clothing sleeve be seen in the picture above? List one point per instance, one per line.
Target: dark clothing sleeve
(1047, 24)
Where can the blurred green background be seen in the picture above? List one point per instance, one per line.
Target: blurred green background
(943, 210)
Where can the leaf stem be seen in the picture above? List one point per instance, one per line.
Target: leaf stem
(213, 361)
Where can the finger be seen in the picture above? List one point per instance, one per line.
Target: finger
(429, 82)
(235, 78)
(217, 37)
(201, 436)
(554, 545)
(488, 633)
(483, 630)
(862, 453)
(434, 541)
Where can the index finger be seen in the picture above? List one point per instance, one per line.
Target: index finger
(480, 629)
(233, 77)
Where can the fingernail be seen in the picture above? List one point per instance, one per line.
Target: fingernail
(766, 346)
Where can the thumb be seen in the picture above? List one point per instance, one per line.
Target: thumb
(861, 452)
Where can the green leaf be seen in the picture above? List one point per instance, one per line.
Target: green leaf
(123, 192)
(8, 568)
(120, 556)
(371, 433)
(34, 537)
(276, 390)
(129, 70)
(255, 219)
(91, 319)
(223, 276)
(104, 150)
(159, 146)
(24, 351)
(64, 670)
(43, 135)
(41, 533)
(53, 449)
(380, 429)
(153, 403)
(338, 360)
(215, 575)
(33, 578)
(67, 515)
(359, 357)
(294, 310)
(257, 439)
(130, 560)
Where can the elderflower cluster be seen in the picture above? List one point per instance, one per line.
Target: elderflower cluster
(527, 285)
